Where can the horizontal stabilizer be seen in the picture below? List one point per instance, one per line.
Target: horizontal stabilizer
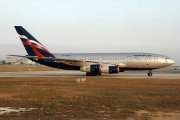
(26, 56)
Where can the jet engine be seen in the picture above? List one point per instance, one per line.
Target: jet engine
(110, 69)
(95, 68)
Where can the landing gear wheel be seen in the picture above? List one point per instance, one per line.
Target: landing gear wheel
(94, 74)
(91, 74)
(99, 74)
(88, 74)
(149, 74)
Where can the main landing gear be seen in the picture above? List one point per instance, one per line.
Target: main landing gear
(92, 74)
(150, 73)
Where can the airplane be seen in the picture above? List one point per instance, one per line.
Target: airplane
(92, 63)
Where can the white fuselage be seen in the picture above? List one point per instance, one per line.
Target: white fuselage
(124, 60)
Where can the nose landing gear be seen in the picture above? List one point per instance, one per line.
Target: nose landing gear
(150, 73)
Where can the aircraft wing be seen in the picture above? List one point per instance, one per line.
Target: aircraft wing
(84, 62)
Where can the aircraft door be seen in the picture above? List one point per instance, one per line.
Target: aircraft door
(129, 59)
(155, 59)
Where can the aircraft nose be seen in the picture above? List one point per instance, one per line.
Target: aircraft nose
(172, 62)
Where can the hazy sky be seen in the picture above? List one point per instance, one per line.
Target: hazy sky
(93, 25)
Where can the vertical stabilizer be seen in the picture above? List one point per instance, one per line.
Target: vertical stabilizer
(32, 46)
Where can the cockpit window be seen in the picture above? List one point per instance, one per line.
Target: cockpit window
(167, 58)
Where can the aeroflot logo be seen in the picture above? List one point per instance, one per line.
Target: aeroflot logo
(31, 41)
(34, 42)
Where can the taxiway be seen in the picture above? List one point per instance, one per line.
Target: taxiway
(170, 74)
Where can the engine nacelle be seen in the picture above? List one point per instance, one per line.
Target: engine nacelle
(110, 69)
(95, 68)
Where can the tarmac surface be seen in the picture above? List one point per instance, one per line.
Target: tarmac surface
(168, 74)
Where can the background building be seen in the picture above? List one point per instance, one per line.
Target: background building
(18, 61)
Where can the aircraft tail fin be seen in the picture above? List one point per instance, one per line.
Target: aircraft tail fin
(32, 46)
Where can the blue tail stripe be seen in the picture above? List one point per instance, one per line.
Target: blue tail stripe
(29, 50)
(24, 40)
(44, 53)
